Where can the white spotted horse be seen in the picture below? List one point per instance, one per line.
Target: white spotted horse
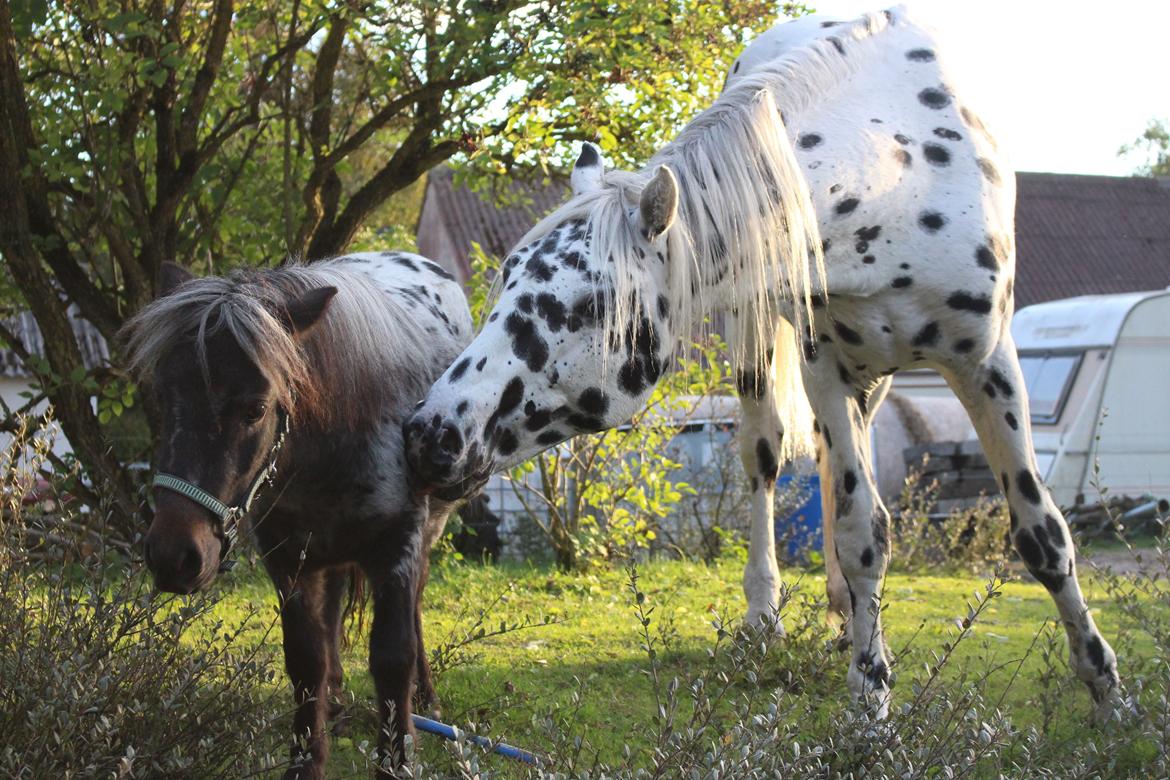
(287, 388)
(855, 218)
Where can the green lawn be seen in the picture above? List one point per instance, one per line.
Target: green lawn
(593, 647)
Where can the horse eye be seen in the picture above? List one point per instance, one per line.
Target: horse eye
(254, 413)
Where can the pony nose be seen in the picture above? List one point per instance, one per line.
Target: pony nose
(449, 441)
(433, 448)
(176, 562)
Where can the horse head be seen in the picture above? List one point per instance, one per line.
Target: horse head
(205, 347)
(576, 340)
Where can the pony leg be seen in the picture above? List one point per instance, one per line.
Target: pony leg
(424, 684)
(836, 588)
(394, 654)
(995, 397)
(760, 436)
(306, 657)
(835, 584)
(336, 586)
(860, 536)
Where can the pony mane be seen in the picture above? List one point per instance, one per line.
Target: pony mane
(365, 356)
(746, 224)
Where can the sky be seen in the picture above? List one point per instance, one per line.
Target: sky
(1061, 84)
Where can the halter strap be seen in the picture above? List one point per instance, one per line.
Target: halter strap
(229, 516)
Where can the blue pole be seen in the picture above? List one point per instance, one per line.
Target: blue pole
(445, 731)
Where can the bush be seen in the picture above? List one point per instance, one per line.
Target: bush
(975, 539)
(756, 709)
(102, 677)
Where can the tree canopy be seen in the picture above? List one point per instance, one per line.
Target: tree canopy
(1154, 146)
(218, 134)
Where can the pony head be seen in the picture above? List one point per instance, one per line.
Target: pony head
(224, 362)
(578, 336)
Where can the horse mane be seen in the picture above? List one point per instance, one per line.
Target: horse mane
(365, 357)
(746, 220)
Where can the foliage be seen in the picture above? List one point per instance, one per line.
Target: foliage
(1152, 148)
(102, 677)
(970, 539)
(220, 135)
(602, 497)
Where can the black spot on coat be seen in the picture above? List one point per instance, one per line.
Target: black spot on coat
(963, 301)
(808, 140)
(1027, 486)
(846, 206)
(847, 334)
(766, 460)
(934, 98)
(458, 370)
(936, 154)
(931, 221)
(927, 336)
(527, 344)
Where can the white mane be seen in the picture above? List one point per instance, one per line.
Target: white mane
(746, 238)
(366, 356)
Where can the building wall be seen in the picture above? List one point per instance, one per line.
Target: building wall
(10, 390)
(434, 240)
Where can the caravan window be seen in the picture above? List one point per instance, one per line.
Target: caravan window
(1048, 377)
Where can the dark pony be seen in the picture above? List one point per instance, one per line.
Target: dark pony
(289, 386)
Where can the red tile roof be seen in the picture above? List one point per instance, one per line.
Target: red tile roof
(1089, 235)
(469, 217)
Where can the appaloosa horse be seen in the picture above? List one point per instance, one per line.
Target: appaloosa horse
(854, 217)
(327, 360)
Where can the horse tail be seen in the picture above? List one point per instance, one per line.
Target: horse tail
(792, 404)
(353, 617)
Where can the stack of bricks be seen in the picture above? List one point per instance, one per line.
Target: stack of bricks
(960, 470)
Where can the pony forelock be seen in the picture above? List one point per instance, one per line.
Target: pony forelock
(365, 354)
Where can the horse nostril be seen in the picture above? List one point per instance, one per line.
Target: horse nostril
(146, 553)
(189, 562)
(450, 440)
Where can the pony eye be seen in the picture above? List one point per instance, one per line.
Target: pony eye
(255, 412)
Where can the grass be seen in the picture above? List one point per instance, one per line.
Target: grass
(589, 658)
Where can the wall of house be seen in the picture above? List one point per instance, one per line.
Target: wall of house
(434, 241)
(11, 389)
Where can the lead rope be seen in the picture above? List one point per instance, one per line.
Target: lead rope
(230, 516)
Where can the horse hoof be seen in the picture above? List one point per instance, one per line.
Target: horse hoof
(843, 641)
(768, 623)
(1115, 708)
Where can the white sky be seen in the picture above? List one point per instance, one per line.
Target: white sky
(1062, 84)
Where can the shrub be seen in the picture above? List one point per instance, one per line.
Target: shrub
(104, 678)
(973, 539)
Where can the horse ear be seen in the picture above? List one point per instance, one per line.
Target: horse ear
(586, 176)
(659, 204)
(170, 276)
(302, 313)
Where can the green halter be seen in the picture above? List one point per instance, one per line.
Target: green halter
(229, 516)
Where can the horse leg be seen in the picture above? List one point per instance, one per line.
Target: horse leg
(995, 397)
(835, 585)
(336, 586)
(394, 652)
(424, 685)
(760, 436)
(860, 535)
(306, 657)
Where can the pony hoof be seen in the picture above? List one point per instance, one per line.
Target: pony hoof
(768, 623)
(1115, 708)
(842, 641)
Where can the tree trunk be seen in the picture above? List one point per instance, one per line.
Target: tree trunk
(21, 247)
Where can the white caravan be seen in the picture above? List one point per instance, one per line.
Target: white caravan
(1097, 369)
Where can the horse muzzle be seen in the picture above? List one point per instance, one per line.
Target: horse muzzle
(182, 552)
(437, 455)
